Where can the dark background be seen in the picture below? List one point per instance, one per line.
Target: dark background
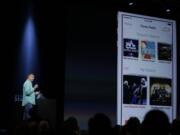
(91, 54)
(46, 16)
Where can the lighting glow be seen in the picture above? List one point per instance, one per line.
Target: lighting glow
(28, 54)
(131, 3)
(168, 10)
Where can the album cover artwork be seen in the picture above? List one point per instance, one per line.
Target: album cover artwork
(134, 89)
(164, 52)
(131, 48)
(148, 51)
(160, 91)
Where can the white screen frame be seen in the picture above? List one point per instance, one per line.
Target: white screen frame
(120, 59)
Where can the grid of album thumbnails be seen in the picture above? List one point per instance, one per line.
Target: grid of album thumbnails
(140, 89)
(147, 50)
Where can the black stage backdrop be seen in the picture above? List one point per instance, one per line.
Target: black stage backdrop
(47, 16)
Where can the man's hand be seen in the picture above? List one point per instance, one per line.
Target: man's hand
(37, 93)
(35, 86)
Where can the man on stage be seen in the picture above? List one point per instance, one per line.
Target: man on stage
(29, 95)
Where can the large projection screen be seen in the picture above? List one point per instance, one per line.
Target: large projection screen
(146, 77)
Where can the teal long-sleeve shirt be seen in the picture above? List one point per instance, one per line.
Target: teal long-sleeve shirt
(28, 93)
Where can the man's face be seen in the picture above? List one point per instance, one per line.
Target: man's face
(143, 81)
(31, 77)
